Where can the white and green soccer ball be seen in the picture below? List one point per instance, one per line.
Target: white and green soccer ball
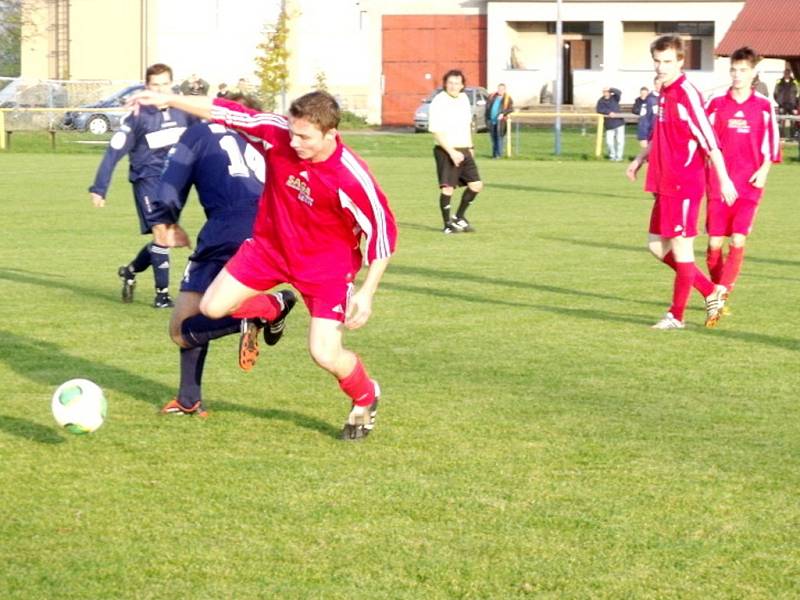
(79, 406)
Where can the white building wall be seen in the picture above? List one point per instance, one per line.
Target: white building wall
(618, 66)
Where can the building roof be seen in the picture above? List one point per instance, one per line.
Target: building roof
(770, 27)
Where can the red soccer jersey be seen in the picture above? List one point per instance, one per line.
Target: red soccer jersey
(681, 138)
(747, 134)
(312, 215)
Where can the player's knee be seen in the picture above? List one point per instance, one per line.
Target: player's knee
(323, 355)
(446, 190)
(212, 309)
(738, 240)
(475, 186)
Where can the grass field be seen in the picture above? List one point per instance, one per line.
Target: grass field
(536, 438)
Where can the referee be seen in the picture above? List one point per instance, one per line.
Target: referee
(450, 121)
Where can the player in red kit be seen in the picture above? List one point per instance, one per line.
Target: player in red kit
(681, 140)
(319, 203)
(747, 129)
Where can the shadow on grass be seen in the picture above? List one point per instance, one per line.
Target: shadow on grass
(785, 343)
(547, 190)
(419, 227)
(29, 430)
(589, 244)
(53, 281)
(483, 280)
(46, 364)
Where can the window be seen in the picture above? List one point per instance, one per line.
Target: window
(584, 28)
(685, 28)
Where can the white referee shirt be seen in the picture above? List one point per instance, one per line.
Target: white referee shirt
(451, 117)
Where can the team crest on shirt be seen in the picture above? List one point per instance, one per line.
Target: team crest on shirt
(739, 123)
(302, 188)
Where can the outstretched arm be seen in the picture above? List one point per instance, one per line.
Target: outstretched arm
(195, 105)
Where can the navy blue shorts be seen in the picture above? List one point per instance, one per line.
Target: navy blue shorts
(198, 275)
(144, 191)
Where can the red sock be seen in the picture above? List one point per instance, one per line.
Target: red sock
(263, 306)
(358, 385)
(733, 264)
(715, 264)
(684, 278)
(701, 283)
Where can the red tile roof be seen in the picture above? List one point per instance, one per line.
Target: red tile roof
(770, 27)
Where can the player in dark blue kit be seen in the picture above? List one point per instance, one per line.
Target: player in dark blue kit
(146, 138)
(228, 174)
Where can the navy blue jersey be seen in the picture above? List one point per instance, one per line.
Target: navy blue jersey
(228, 174)
(146, 138)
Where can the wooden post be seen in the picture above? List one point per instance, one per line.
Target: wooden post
(598, 147)
(508, 136)
(3, 143)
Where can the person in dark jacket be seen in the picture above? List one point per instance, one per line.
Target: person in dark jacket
(498, 107)
(613, 123)
(786, 96)
(646, 108)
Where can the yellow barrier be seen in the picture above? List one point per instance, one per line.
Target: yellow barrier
(598, 148)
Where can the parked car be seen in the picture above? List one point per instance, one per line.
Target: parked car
(477, 100)
(19, 93)
(99, 123)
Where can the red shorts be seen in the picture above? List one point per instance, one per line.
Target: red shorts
(674, 216)
(723, 220)
(256, 268)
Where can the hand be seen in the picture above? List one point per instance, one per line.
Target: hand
(171, 236)
(457, 157)
(359, 309)
(97, 200)
(728, 190)
(759, 179)
(146, 98)
(633, 168)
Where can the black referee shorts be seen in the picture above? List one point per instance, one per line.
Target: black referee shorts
(455, 176)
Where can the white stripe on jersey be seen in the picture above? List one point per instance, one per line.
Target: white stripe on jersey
(382, 249)
(683, 114)
(708, 141)
(164, 137)
(362, 219)
(243, 119)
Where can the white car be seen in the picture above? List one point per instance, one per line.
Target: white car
(478, 97)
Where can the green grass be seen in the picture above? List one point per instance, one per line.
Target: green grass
(537, 439)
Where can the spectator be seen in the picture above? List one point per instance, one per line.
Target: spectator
(222, 90)
(646, 107)
(499, 105)
(785, 95)
(760, 86)
(614, 124)
(194, 86)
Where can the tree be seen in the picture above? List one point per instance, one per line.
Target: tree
(273, 67)
(10, 37)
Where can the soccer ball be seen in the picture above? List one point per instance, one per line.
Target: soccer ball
(79, 406)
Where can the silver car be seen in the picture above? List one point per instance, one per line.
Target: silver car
(100, 122)
(478, 97)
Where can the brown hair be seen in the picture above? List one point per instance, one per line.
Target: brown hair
(746, 53)
(453, 73)
(319, 108)
(157, 69)
(665, 42)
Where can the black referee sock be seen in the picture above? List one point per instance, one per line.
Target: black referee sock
(193, 361)
(159, 258)
(142, 260)
(199, 329)
(444, 205)
(466, 199)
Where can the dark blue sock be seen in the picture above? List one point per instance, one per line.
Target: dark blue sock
(142, 260)
(199, 329)
(159, 258)
(192, 362)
